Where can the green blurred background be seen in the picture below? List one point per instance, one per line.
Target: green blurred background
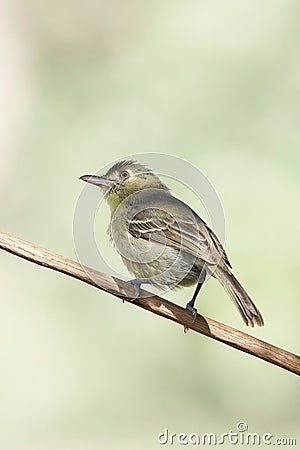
(84, 83)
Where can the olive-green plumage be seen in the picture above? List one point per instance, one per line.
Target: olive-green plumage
(161, 240)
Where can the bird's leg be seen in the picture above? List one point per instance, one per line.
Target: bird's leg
(190, 304)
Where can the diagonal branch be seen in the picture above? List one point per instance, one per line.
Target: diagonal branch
(152, 303)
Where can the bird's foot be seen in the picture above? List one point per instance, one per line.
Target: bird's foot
(137, 287)
(190, 307)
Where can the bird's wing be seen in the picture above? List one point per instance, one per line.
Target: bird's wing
(189, 234)
(218, 245)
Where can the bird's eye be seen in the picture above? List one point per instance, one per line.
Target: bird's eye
(124, 174)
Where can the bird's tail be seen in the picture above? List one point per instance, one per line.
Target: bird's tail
(250, 314)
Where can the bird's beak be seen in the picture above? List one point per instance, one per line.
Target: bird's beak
(97, 180)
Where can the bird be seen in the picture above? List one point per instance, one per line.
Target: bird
(163, 241)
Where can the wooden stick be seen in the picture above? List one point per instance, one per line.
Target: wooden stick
(153, 303)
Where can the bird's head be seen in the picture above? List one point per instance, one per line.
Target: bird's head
(123, 179)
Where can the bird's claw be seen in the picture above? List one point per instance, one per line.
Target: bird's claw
(193, 310)
(137, 286)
